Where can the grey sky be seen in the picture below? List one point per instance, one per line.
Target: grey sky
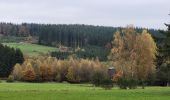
(142, 13)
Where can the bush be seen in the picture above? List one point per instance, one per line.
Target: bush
(97, 78)
(102, 79)
(107, 83)
(132, 83)
(10, 79)
(58, 78)
(125, 83)
(151, 79)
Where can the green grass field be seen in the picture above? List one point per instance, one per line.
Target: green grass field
(31, 49)
(64, 91)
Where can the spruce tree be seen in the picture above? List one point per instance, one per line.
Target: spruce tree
(166, 44)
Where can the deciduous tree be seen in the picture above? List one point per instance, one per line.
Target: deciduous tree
(134, 53)
(28, 73)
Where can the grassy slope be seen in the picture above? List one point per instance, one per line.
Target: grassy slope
(57, 91)
(31, 49)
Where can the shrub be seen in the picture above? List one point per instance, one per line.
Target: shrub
(97, 78)
(132, 83)
(125, 83)
(10, 79)
(58, 78)
(101, 79)
(107, 83)
(151, 79)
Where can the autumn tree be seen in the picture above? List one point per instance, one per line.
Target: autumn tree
(134, 53)
(72, 76)
(146, 51)
(49, 73)
(28, 73)
(43, 71)
(50, 69)
(86, 70)
(17, 72)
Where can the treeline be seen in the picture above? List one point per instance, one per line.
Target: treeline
(8, 58)
(163, 59)
(88, 52)
(67, 35)
(51, 69)
(140, 59)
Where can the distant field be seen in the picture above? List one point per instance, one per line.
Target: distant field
(32, 49)
(61, 91)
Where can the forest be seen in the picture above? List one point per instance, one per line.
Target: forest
(84, 50)
(73, 35)
(139, 56)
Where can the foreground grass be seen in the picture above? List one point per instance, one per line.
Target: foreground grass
(31, 49)
(61, 91)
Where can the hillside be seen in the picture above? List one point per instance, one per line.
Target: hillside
(72, 35)
(32, 49)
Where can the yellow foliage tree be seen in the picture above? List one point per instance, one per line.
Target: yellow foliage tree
(17, 72)
(72, 76)
(134, 53)
(49, 73)
(43, 71)
(146, 51)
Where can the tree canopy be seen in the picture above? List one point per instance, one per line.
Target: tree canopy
(134, 53)
(8, 58)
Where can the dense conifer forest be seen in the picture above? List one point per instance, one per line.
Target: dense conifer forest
(73, 35)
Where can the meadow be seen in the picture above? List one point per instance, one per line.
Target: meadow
(65, 91)
(32, 49)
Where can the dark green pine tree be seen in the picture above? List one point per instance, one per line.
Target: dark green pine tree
(163, 70)
(8, 58)
(19, 58)
(166, 46)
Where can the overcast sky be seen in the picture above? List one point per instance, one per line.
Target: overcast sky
(142, 13)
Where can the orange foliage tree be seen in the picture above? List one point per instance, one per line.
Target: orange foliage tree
(51, 69)
(28, 73)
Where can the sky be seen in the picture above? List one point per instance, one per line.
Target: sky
(140, 13)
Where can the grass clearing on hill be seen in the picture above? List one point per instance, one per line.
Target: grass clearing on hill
(64, 91)
(32, 49)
